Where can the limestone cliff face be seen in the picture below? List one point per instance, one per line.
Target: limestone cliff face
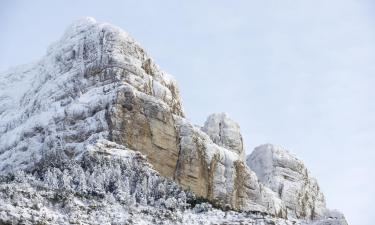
(225, 132)
(220, 174)
(289, 178)
(98, 83)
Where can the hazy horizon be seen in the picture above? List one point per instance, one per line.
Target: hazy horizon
(295, 74)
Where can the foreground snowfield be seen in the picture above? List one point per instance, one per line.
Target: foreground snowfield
(95, 133)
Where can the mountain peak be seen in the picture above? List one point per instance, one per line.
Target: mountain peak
(97, 97)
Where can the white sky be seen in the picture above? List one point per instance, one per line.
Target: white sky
(295, 73)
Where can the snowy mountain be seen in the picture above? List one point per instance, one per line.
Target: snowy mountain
(95, 133)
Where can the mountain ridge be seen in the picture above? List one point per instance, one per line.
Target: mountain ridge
(98, 84)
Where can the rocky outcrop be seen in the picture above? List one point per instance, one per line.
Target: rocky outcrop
(97, 85)
(96, 82)
(225, 132)
(287, 176)
(219, 174)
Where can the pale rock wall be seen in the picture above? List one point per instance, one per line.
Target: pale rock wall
(225, 132)
(220, 174)
(287, 176)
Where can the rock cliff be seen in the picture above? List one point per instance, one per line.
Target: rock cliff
(97, 87)
(224, 132)
(289, 178)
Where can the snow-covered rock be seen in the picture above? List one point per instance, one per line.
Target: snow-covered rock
(69, 126)
(224, 132)
(98, 83)
(110, 184)
(287, 176)
(221, 175)
(103, 186)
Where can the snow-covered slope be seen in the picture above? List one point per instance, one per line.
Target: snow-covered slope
(71, 122)
(110, 184)
(103, 186)
(64, 96)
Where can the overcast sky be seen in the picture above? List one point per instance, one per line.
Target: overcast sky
(295, 73)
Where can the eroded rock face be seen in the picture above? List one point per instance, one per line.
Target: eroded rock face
(146, 125)
(287, 176)
(97, 83)
(225, 132)
(219, 174)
